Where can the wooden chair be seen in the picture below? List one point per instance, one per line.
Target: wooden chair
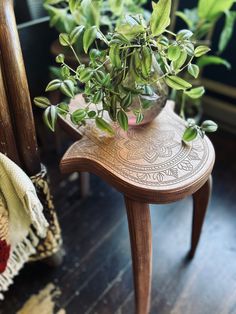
(17, 90)
(148, 164)
(17, 129)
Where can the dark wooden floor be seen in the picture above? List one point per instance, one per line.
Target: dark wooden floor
(96, 274)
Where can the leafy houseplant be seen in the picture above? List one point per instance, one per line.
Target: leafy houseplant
(128, 78)
(202, 21)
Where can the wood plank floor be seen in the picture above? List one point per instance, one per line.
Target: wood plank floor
(96, 275)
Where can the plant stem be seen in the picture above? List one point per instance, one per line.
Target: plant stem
(171, 33)
(182, 114)
(69, 67)
(75, 54)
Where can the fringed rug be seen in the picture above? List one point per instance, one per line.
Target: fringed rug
(29, 228)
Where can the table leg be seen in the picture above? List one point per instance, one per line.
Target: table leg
(84, 178)
(141, 246)
(200, 202)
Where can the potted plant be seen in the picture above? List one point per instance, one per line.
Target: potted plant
(130, 76)
(202, 21)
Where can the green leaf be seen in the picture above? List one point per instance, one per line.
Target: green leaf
(89, 37)
(63, 108)
(190, 134)
(173, 52)
(177, 83)
(67, 88)
(130, 31)
(227, 32)
(73, 5)
(60, 58)
(65, 72)
(139, 117)
(146, 64)
(85, 75)
(99, 76)
(104, 125)
(212, 9)
(75, 34)
(42, 102)
(94, 54)
(114, 55)
(189, 48)
(64, 39)
(195, 93)
(116, 6)
(52, 2)
(78, 116)
(123, 120)
(92, 114)
(160, 18)
(53, 85)
(126, 101)
(209, 126)
(119, 39)
(209, 60)
(201, 50)
(177, 64)
(164, 41)
(50, 117)
(98, 96)
(184, 34)
(113, 107)
(193, 69)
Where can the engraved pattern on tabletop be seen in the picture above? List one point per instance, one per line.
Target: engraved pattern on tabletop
(154, 157)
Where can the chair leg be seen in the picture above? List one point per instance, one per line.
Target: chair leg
(84, 184)
(141, 246)
(200, 202)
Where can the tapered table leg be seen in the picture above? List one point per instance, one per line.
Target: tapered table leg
(84, 184)
(200, 202)
(141, 246)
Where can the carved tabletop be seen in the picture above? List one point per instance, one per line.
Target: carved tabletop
(148, 162)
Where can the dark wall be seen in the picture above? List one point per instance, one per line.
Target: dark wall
(36, 37)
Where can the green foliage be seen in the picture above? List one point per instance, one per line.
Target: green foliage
(193, 70)
(193, 130)
(104, 126)
(212, 60)
(227, 31)
(89, 36)
(177, 83)
(160, 18)
(124, 70)
(50, 117)
(201, 50)
(212, 9)
(195, 93)
(65, 15)
(203, 19)
(42, 102)
(122, 119)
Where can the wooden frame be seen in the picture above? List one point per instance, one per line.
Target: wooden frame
(17, 89)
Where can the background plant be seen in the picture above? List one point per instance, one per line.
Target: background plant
(67, 14)
(202, 21)
(124, 70)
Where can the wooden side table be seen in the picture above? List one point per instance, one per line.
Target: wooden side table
(148, 164)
